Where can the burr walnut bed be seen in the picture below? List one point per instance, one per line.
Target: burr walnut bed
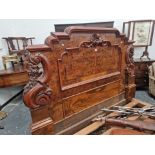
(75, 74)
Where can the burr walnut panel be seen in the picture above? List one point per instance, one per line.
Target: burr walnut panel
(74, 58)
(89, 98)
(77, 72)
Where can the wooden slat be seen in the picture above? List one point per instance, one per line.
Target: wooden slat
(94, 126)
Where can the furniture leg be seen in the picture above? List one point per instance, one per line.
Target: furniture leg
(145, 53)
(4, 64)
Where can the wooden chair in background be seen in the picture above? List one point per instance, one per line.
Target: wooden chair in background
(16, 46)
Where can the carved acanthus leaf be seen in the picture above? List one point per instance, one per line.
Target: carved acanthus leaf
(130, 69)
(95, 41)
(37, 92)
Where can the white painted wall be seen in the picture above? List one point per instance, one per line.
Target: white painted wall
(40, 29)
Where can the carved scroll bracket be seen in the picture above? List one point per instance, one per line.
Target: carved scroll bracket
(37, 92)
(130, 69)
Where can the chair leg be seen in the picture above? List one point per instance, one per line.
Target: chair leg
(12, 64)
(4, 64)
(5, 67)
(21, 60)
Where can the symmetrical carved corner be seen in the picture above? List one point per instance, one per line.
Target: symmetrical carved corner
(130, 69)
(37, 92)
(95, 41)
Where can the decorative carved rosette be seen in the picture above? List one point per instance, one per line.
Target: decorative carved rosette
(130, 69)
(37, 92)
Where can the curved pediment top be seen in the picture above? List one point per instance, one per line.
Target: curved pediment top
(60, 35)
(85, 29)
(50, 40)
(56, 37)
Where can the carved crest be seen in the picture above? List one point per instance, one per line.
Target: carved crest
(95, 41)
(37, 92)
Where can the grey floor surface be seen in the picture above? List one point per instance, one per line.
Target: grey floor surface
(18, 116)
(17, 120)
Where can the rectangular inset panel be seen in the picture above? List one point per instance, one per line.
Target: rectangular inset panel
(92, 97)
(79, 66)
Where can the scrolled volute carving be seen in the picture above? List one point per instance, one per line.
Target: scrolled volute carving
(95, 41)
(37, 92)
(130, 69)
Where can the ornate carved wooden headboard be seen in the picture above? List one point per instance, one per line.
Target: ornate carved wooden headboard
(78, 72)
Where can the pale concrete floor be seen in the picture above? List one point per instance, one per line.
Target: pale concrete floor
(18, 116)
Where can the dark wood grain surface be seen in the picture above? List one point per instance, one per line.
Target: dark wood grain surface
(82, 70)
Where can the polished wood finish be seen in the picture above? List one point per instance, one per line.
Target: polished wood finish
(78, 72)
(13, 76)
(142, 72)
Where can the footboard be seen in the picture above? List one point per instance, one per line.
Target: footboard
(76, 73)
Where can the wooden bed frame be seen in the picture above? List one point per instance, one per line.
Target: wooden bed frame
(75, 74)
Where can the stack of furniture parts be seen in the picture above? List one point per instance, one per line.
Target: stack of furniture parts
(75, 74)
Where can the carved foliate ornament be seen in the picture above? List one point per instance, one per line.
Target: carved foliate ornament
(37, 92)
(95, 41)
(130, 69)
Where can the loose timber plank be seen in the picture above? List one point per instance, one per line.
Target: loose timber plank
(94, 126)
